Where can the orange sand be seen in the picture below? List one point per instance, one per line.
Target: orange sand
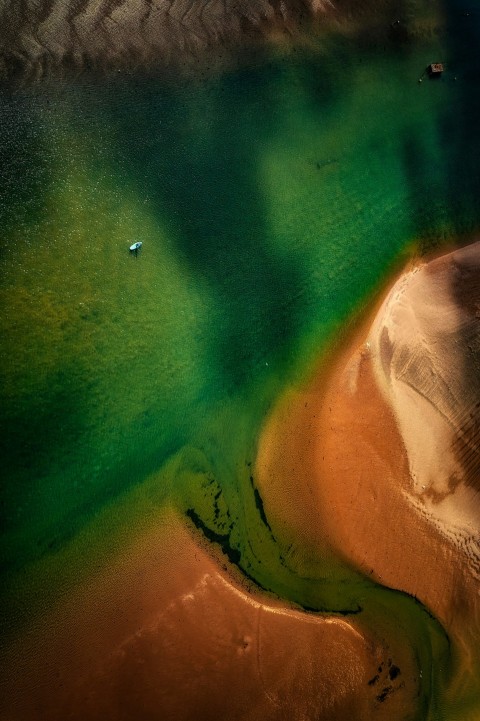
(333, 467)
(166, 634)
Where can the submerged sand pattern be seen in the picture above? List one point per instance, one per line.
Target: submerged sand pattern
(104, 33)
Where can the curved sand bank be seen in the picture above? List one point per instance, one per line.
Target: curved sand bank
(379, 458)
(165, 633)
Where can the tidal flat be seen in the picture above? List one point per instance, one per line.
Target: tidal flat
(278, 198)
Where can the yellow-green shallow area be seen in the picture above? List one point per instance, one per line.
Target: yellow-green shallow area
(273, 201)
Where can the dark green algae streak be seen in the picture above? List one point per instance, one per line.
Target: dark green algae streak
(272, 202)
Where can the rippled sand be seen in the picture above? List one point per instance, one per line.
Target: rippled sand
(426, 351)
(64, 36)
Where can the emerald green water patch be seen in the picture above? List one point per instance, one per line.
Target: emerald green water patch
(68, 428)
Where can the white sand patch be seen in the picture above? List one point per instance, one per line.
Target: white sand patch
(426, 353)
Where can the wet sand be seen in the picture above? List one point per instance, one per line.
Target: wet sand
(365, 455)
(167, 633)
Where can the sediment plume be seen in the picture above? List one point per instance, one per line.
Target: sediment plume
(171, 628)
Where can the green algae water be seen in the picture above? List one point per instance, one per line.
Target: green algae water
(272, 201)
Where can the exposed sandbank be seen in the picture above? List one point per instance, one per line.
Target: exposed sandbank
(65, 37)
(166, 633)
(379, 457)
(38, 40)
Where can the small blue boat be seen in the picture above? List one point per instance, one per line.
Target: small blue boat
(136, 246)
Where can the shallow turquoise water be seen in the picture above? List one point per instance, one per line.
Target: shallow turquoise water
(270, 200)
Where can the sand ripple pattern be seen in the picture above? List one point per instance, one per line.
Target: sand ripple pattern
(37, 38)
(427, 360)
